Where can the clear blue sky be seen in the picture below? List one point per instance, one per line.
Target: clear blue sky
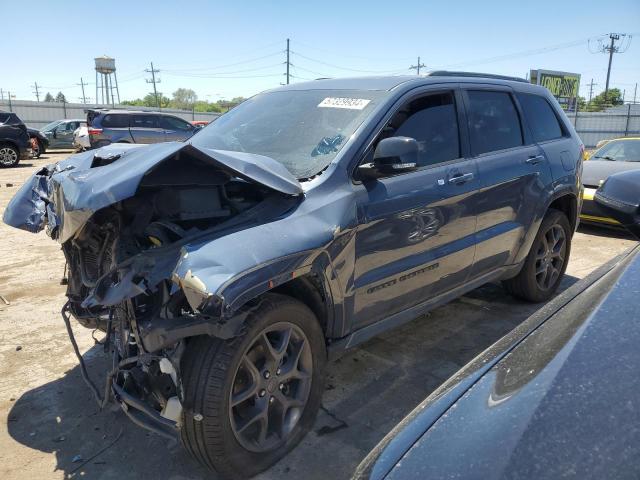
(207, 45)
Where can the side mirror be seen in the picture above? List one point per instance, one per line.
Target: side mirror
(619, 198)
(54, 133)
(392, 155)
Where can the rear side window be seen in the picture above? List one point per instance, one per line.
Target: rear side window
(174, 123)
(493, 121)
(540, 116)
(115, 120)
(144, 121)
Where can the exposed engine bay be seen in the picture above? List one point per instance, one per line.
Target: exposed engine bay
(122, 270)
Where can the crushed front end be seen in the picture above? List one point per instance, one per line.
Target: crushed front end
(127, 219)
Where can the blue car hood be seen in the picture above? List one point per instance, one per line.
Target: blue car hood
(65, 195)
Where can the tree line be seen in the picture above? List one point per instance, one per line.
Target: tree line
(184, 99)
(181, 99)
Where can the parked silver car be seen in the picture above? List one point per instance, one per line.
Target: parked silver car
(60, 132)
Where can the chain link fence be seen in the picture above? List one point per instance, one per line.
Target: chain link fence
(619, 121)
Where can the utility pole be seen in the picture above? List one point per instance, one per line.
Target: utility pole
(154, 81)
(82, 84)
(35, 85)
(635, 90)
(611, 49)
(417, 67)
(288, 62)
(591, 85)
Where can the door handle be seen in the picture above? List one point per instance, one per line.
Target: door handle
(461, 178)
(534, 159)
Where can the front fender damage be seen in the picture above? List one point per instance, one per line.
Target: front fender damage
(131, 221)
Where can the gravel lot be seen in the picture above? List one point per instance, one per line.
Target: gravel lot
(48, 415)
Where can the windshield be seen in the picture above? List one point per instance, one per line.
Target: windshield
(303, 130)
(51, 126)
(620, 151)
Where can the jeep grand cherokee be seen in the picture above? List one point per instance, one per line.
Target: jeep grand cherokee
(227, 269)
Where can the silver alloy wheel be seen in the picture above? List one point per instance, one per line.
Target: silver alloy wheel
(550, 256)
(8, 156)
(271, 387)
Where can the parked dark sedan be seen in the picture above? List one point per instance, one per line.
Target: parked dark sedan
(559, 397)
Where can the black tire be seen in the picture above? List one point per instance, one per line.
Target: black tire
(42, 147)
(527, 285)
(9, 155)
(210, 372)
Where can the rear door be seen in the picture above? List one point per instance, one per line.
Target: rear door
(549, 132)
(145, 128)
(63, 136)
(415, 237)
(176, 129)
(514, 174)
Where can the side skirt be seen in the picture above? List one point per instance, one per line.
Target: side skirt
(339, 346)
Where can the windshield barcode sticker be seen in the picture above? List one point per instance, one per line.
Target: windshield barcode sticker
(341, 102)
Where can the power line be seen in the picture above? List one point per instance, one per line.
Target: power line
(219, 74)
(340, 67)
(217, 67)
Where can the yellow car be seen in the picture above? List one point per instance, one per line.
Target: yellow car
(617, 155)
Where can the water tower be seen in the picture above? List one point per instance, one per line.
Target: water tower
(106, 80)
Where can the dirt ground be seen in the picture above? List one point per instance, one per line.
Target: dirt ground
(50, 427)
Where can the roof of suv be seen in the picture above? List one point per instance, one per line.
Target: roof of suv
(391, 82)
(126, 112)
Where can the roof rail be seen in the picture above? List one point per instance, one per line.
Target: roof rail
(445, 73)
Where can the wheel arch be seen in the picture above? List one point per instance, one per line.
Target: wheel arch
(568, 204)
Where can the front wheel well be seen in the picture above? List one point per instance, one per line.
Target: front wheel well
(309, 290)
(568, 205)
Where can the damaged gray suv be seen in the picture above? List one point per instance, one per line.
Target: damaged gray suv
(227, 269)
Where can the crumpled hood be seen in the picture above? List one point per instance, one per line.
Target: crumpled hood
(594, 172)
(66, 194)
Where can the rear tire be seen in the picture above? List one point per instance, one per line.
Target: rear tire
(283, 386)
(9, 155)
(546, 262)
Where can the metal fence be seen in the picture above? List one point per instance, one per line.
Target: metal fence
(38, 114)
(620, 121)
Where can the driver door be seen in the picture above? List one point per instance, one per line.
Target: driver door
(415, 237)
(64, 136)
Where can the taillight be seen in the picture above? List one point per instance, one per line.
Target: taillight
(94, 131)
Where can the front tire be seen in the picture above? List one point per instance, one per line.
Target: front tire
(9, 156)
(251, 399)
(546, 262)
